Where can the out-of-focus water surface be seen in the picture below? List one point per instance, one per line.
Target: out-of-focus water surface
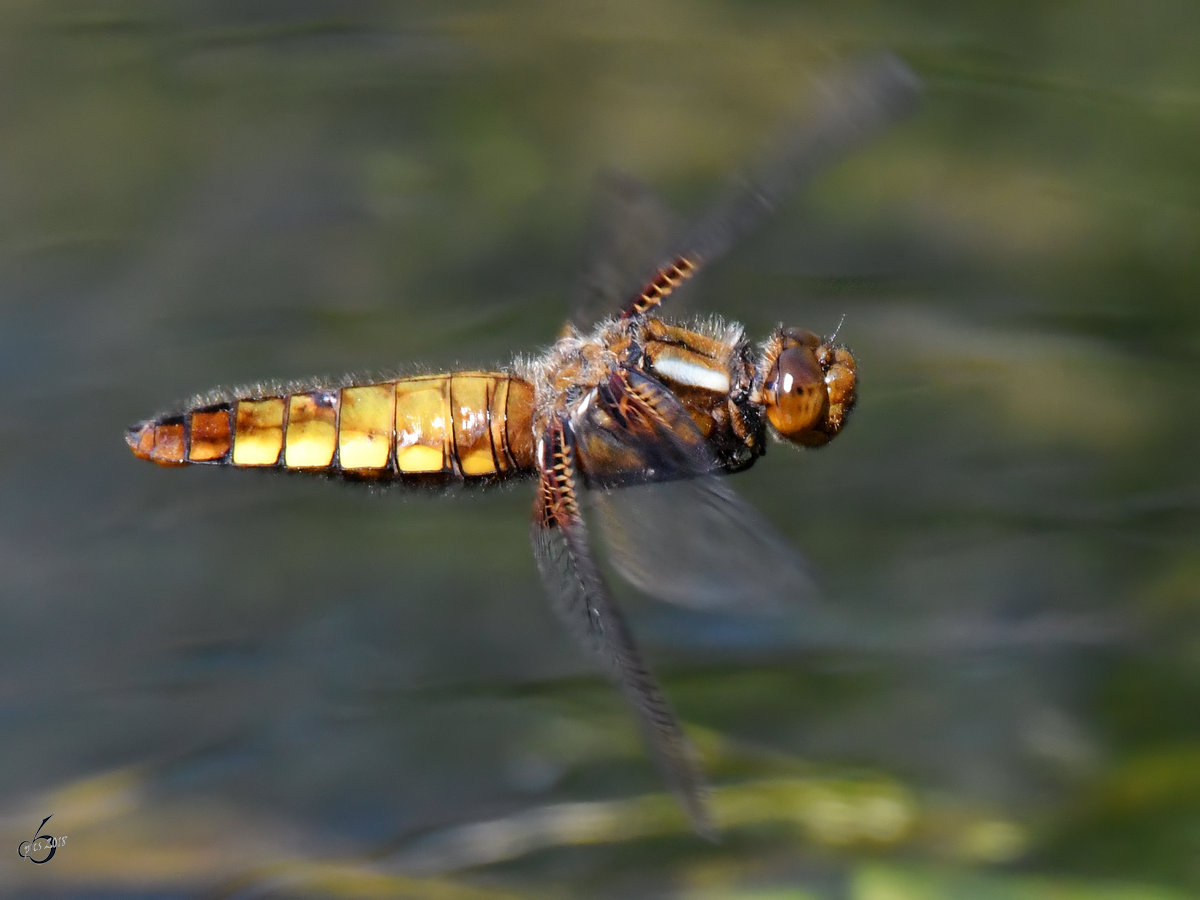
(219, 682)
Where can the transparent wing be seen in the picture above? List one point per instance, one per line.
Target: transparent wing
(581, 600)
(637, 249)
(673, 526)
(854, 105)
(696, 543)
(629, 230)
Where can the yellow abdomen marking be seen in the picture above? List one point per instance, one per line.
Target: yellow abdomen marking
(472, 432)
(366, 427)
(497, 419)
(258, 432)
(473, 425)
(422, 424)
(311, 430)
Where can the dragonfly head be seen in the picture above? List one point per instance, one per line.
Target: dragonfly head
(808, 386)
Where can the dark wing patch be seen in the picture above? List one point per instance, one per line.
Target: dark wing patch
(634, 430)
(674, 528)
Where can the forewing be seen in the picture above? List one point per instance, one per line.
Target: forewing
(629, 230)
(854, 105)
(581, 599)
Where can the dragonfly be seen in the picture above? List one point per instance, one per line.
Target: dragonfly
(632, 415)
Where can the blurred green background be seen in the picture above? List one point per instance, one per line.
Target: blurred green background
(224, 683)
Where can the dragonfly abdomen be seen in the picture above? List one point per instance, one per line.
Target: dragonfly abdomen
(457, 426)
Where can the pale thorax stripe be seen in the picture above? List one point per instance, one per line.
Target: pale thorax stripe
(691, 373)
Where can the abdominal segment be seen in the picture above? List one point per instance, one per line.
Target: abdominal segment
(458, 426)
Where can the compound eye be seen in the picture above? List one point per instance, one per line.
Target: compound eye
(795, 394)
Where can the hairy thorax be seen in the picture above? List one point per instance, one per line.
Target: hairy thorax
(706, 366)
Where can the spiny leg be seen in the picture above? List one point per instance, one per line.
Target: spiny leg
(581, 599)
